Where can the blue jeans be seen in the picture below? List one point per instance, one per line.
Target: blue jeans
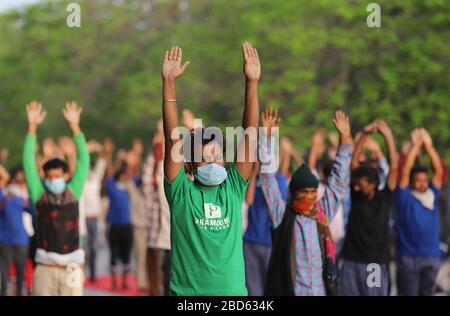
(417, 275)
(357, 281)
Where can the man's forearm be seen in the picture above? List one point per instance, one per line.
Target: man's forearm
(359, 147)
(75, 128)
(435, 160)
(412, 155)
(312, 159)
(392, 152)
(170, 109)
(251, 111)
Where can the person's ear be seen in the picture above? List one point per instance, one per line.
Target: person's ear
(66, 177)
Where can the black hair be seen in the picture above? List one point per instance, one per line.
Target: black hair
(56, 163)
(200, 132)
(14, 171)
(417, 169)
(122, 170)
(366, 171)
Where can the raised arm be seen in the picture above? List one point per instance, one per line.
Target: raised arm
(339, 178)
(360, 143)
(72, 114)
(100, 166)
(36, 116)
(250, 193)
(108, 146)
(171, 70)
(269, 184)
(252, 71)
(4, 176)
(386, 131)
(317, 148)
(416, 143)
(285, 156)
(434, 158)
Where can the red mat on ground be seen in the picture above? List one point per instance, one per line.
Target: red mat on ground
(104, 284)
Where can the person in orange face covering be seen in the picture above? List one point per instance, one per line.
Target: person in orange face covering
(303, 260)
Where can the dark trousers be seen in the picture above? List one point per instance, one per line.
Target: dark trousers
(18, 254)
(91, 245)
(357, 279)
(120, 243)
(257, 258)
(166, 271)
(417, 275)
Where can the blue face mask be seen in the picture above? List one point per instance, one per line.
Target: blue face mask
(211, 174)
(56, 186)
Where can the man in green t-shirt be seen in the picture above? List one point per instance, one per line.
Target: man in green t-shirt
(206, 214)
(59, 257)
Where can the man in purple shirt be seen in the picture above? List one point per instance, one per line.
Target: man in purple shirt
(298, 267)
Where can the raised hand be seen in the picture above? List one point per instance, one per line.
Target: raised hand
(171, 68)
(373, 146)
(383, 128)
(94, 146)
(427, 141)
(371, 128)
(270, 119)
(285, 145)
(67, 146)
(252, 66)
(36, 115)
(108, 145)
(342, 124)
(416, 137)
(188, 119)
(72, 114)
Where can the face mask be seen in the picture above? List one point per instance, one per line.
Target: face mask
(56, 186)
(15, 190)
(211, 174)
(304, 207)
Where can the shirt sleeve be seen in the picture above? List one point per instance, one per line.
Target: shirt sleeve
(338, 181)
(236, 183)
(383, 173)
(35, 186)
(283, 185)
(100, 169)
(269, 183)
(401, 197)
(82, 169)
(273, 197)
(175, 190)
(109, 185)
(436, 192)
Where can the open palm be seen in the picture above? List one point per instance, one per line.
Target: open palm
(270, 119)
(342, 124)
(72, 113)
(171, 68)
(35, 113)
(252, 66)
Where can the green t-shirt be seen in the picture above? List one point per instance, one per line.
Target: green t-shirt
(206, 236)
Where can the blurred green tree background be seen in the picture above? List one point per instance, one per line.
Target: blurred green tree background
(317, 56)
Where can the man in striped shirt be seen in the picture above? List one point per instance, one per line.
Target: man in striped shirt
(296, 267)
